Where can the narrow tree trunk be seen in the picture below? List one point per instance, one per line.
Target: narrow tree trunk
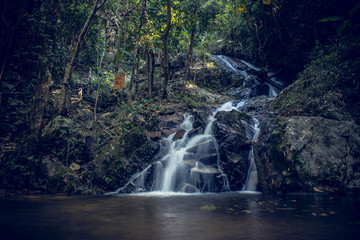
(96, 101)
(117, 57)
(120, 38)
(62, 108)
(189, 55)
(152, 69)
(40, 101)
(148, 70)
(89, 82)
(137, 75)
(136, 56)
(165, 57)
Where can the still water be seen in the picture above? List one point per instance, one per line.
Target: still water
(203, 216)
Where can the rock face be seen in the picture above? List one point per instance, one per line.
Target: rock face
(314, 154)
(234, 146)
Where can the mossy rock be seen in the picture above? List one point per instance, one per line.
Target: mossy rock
(233, 119)
(133, 140)
(59, 178)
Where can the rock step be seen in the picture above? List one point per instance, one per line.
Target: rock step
(207, 146)
(205, 170)
(207, 159)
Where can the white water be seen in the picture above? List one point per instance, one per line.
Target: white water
(253, 134)
(252, 176)
(185, 171)
(251, 66)
(190, 164)
(272, 91)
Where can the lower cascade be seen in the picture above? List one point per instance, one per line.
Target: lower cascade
(189, 161)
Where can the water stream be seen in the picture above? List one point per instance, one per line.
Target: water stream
(190, 161)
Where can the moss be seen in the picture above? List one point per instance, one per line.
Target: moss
(133, 139)
(327, 87)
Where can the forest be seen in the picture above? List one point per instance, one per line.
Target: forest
(65, 129)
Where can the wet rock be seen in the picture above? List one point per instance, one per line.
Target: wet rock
(188, 188)
(208, 159)
(169, 122)
(205, 170)
(208, 145)
(233, 119)
(232, 141)
(234, 146)
(179, 134)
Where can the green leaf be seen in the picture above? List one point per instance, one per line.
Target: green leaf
(354, 9)
(330, 19)
(342, 27)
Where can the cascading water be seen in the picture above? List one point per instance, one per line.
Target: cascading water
(190, 162)
(253, 130)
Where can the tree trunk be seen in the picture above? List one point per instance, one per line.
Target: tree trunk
(136, 56)
(137, 75)
(189, 55)
(152, 68)
(40, 101)
(165, 56)
(117, 57)
(148, 71)
(63, 106)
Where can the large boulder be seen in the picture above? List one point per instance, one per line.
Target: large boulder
(123, 156)
(234, 146)
(314, 154)
(68, 140)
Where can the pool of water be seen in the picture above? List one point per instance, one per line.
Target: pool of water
(179, 216)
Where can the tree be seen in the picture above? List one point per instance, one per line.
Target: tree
(135, 67)
(64, 98)
(165, 57)
(191, 46)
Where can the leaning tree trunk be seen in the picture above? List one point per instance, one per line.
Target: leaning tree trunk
(165, 56)
(63, 103)
(40, 101)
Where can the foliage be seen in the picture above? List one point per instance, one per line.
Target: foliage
(327, 86)
(348, 21)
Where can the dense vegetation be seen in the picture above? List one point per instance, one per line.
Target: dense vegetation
(59, 56)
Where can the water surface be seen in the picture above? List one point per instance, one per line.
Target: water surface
(179, 216)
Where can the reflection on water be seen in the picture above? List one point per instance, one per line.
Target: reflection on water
(180, 216)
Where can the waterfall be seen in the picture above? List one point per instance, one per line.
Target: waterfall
(190, 162)
(253, 129)
(252, 177)
(252, 132)
(272, 91)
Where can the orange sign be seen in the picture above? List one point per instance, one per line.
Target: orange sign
(119, 80)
